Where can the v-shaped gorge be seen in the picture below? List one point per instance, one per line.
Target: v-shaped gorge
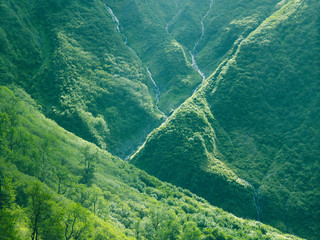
(112, 71)
(108, 71)
(248, 139)
(179, 43)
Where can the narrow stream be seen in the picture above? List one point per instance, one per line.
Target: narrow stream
(114, 18)
(175, 16)
(157, 92)
(256, 204)
(117, 25)
(255, 198)
(193, 52)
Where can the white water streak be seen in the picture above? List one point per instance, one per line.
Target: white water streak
(193, 53)
(114, 18)
(256, 204)
(174, 17)
(157, 92)
(117, 25)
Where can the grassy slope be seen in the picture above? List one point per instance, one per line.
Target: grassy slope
(75, 64)
(120, 200)
(256, 116)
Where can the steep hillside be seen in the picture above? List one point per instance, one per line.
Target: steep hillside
(144, 25)
(85, 62)
(54, 185)
(251, 133)
(209, 29)
(229, 90)
(70, 57)
(183, 41)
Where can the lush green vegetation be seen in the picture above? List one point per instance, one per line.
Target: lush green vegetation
(184, 152)
(256, 118)
(54, 185)
(144, 23)
(247, 141)
(70, 58)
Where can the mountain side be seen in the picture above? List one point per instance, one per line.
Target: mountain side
(70, 57)
(54, 185)
(86, 62)
(210, 29)
(184, 41)
(146, 26)
(256, 124)
(112, 71)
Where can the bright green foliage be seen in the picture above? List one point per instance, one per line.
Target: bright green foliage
(9, 211)
(247, 141)
(70, 57)
(88, 162)
(190, 231)
(254, 122)
(122, 202)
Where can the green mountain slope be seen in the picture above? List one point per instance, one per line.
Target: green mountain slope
(85, 66)
(111, 71)
(144, 24)
(54, 185)
(251, 133)
(165, 33)
(70, 58)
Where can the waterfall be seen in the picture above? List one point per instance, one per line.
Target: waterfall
(117, 25)
(193, 53)
(256, 204)
(114, 18)
(157, 92)
(175, 16)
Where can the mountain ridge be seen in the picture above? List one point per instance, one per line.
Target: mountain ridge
(124, 73)
(46, 188)
(244, 146)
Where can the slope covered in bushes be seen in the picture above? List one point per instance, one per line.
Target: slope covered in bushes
(110, 72)
(55, 185)
(254, 126)
(85, 64)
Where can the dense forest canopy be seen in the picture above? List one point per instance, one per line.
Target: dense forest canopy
(171, 119)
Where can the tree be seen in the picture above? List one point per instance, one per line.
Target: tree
(8, 208)
(4, 130)
(62, 175)
(39, 208)
(44, 158)
(88, 161)
(7, 191)
(157, 216)
(170, 230)
(137, 228)
(190, 231)
(161, 224)
(76, 222)
(95, 195)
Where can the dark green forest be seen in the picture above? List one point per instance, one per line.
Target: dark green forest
(171, 119)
